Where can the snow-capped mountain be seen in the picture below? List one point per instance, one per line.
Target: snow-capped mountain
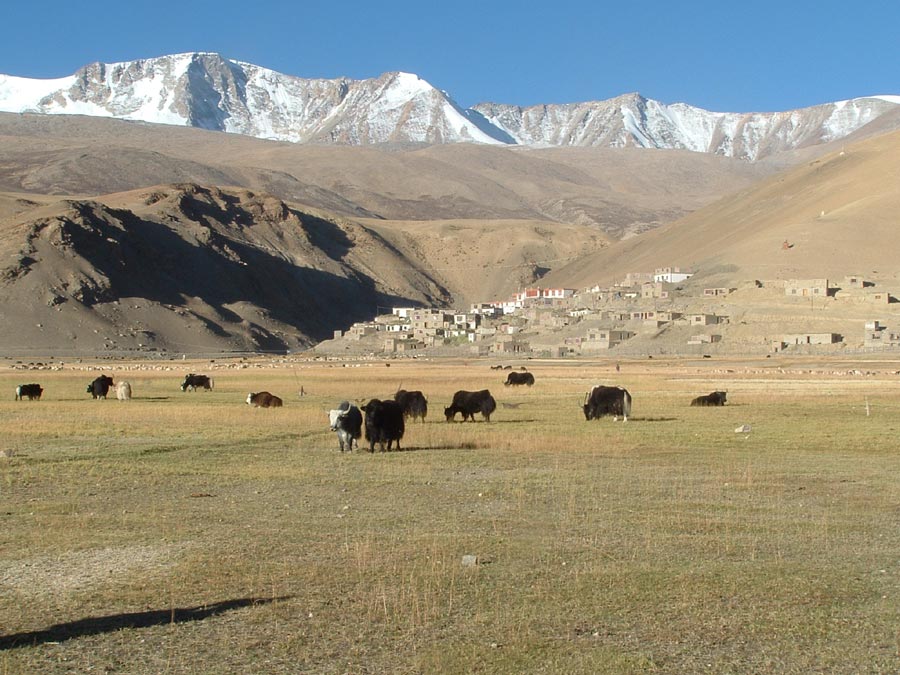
(209, 91)
(632, 120)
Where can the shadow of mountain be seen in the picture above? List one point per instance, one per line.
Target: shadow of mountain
(97, 625)
(150, 260)
(323, 234)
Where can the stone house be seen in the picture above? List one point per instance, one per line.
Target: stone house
(360, 330)
(877, 336)
(650, 291)
(633, 279)
(856, 281)
(806, 288)
(424, 319)
(706, 319)
(811, 338)
(509, 344)
(397, 345)
(878, 297)
(605, 338)
(704, 339)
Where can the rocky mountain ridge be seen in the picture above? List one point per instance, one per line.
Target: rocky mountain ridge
(209, 91)
(188, 267)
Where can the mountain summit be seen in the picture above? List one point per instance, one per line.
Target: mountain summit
(208, 91)
(211, 92)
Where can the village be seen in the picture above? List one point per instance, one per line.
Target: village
(667, 312)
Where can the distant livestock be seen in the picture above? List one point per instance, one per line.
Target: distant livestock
(30, 391)
(264, 400)
(99, 388)
(347, 422)
(715, 398)
(192, 381)
(602, 400)
(470, 402)
(519, 378)
(412, 403)
(384, 423)
(123, 391)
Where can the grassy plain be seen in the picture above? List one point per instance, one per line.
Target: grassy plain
(187, 533)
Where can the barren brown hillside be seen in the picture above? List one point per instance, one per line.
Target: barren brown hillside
(192, 269)
(485, 260)
(839, 214)
(618, 191)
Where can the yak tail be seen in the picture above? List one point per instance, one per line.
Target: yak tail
(211, 383)
(626, 405)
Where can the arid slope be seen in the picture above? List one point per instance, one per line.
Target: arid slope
(192, 269)
(616, 191)
(837, 215)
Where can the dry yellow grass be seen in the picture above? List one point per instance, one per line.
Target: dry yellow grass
(189, 533)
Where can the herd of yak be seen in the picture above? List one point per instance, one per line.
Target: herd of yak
(384, 421)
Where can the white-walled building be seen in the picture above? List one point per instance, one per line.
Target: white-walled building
(403, 312)
(671, 275)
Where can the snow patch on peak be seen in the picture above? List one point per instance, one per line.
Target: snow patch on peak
(21, 94)
(848, 116)
(633, 127)
(402, 87)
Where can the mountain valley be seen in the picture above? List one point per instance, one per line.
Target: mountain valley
(125, 236)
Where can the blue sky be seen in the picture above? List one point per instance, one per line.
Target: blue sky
(765, 55)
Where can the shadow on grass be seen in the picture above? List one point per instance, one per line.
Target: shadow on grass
(111, 397)
(423, 448)
(652, 419)
(493, 421)
(97, 625)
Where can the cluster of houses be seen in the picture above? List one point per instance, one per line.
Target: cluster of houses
(598, 319)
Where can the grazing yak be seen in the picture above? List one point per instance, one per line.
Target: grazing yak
(99, 388)
(470, 402)
(713, 399)
(123, 391)
(347, 422)
(413, 403)
(31, 391)
(519, 378)
(603, 400)
(264, 400)
(192, 381)
(384, 423)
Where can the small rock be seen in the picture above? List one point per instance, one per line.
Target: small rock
(469, 560)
